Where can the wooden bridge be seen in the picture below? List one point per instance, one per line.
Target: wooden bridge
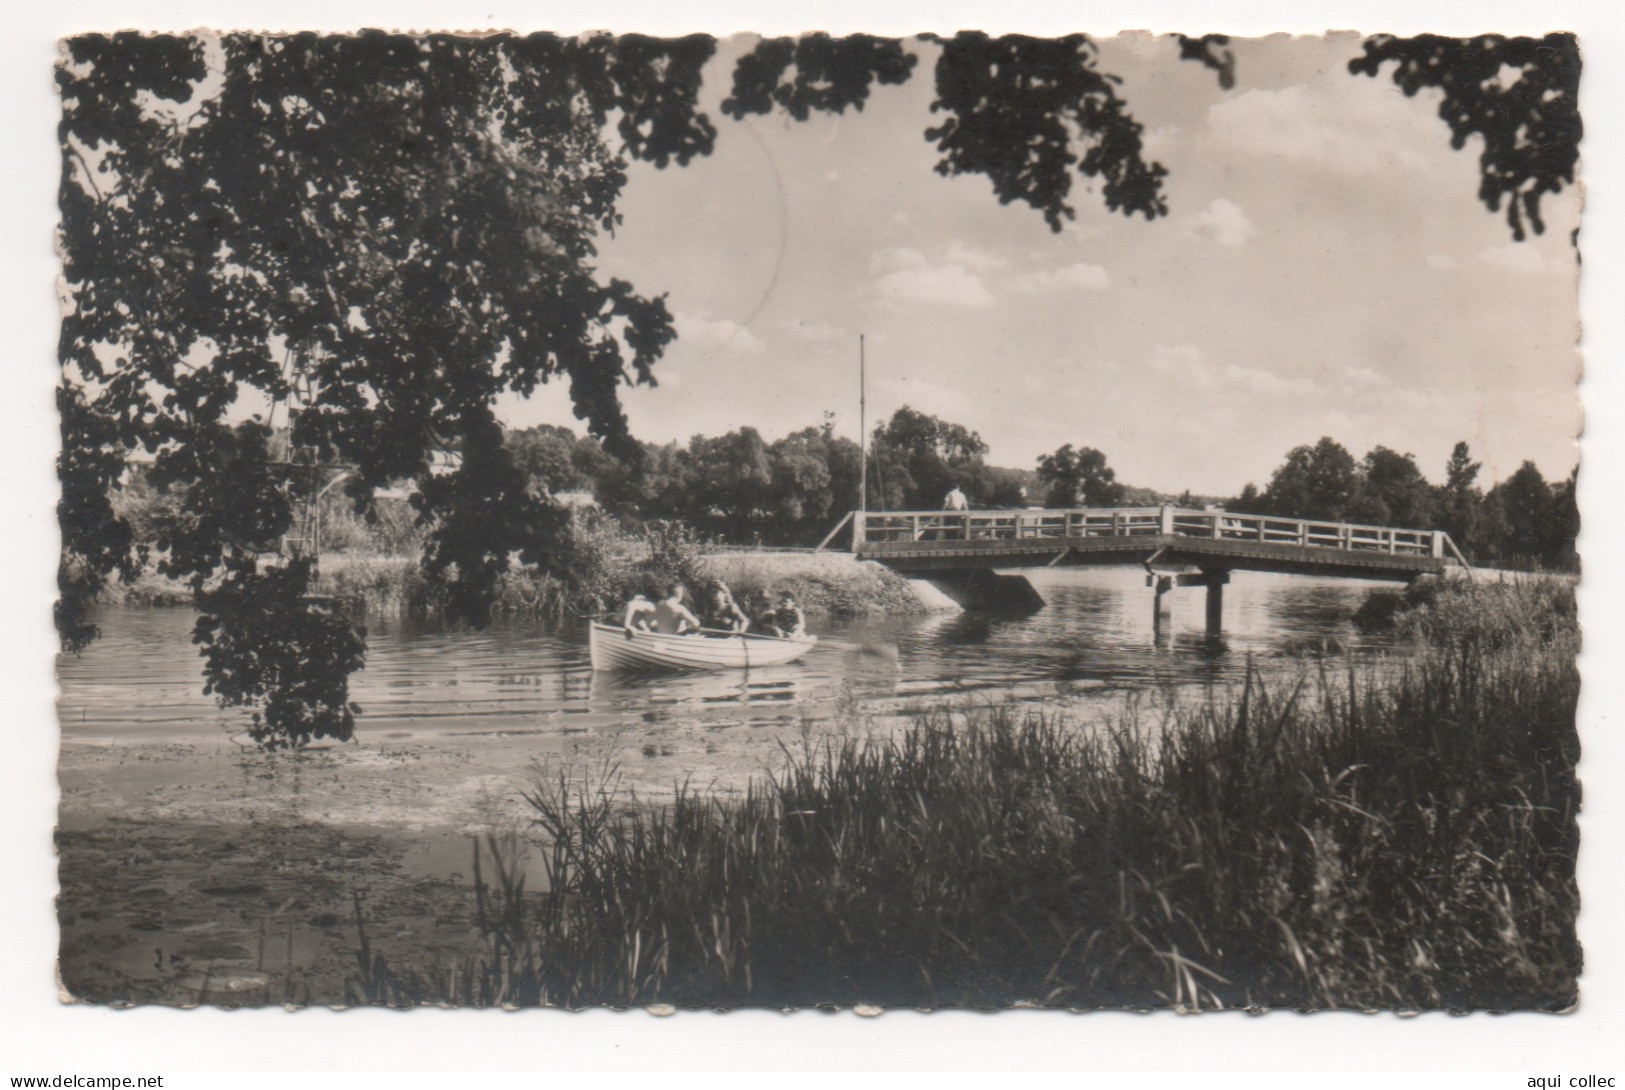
(959, 550)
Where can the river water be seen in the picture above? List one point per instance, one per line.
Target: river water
(241, 868)
(1096, 631)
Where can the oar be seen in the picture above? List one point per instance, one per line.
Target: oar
(867, 647)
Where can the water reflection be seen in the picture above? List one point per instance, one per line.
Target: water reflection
(1096, 630)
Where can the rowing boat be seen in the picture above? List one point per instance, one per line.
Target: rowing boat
(614, 648)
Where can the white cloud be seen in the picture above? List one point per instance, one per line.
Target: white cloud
(1081, 276)
(1159, 140)
(1165, 360)
(905, 275)
(981, 261)
(1365, 376)
(701, 331)
(1357, 132)
(1391, 403)
(1224, 222)
(1187, 366)
(1258, 381)
(950, 285)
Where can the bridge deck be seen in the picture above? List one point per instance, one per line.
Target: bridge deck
(924, 542)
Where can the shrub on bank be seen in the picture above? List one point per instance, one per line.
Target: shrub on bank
(393, 583)
(1378, 838)
(834, 584)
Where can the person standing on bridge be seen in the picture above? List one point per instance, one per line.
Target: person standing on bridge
(954, 501)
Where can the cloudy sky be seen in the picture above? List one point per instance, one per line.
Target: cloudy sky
(1326, 269)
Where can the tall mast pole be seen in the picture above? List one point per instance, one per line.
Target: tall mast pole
(863, 433)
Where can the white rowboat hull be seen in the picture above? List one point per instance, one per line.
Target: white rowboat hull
(613, 649)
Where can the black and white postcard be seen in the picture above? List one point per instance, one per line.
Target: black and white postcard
(959, 521)
(951, 521)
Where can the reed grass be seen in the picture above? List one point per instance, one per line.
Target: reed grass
(1397, 836)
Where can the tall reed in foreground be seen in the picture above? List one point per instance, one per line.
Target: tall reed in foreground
(1399, 838)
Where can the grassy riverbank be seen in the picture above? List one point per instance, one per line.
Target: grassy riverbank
(832, 583)
(605, 565)
(1382, 838)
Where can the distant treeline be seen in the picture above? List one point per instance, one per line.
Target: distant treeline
(1521, 522)
(739, 488)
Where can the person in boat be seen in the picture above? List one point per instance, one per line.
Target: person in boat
(759, 608)
(672, 617)
(639, 615)
(722, 612)
(756, 606)
(786, 620)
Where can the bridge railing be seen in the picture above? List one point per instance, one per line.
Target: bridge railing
(1096, 522)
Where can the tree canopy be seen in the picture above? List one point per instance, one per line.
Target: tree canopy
(1527, 521)
(1392, 491)
(1078, 477)
(1520, 95)
(377, 235)
(1318, 482)
(922, 457)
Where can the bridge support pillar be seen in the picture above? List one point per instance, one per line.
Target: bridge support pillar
(1160, 607)
(984, 588)
(1215, 602)
(1163, 582)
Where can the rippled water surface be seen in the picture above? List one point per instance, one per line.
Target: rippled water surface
(1095, 630)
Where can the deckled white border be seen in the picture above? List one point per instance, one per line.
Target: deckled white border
(42, 1037)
